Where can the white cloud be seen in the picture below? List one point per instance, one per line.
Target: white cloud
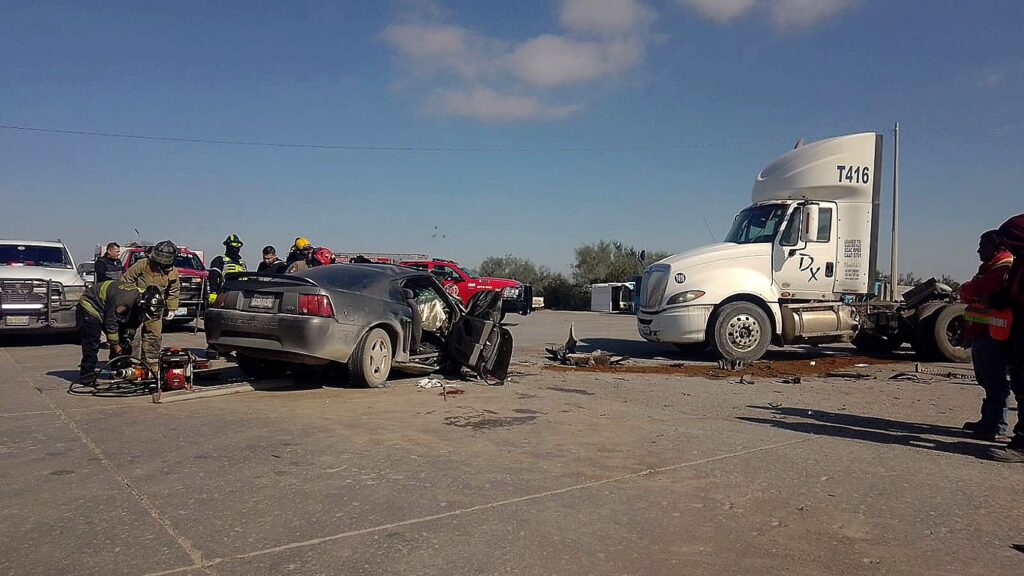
(790, 14)
(426, 42)
(785, 14)
(720, 11)
(610, 17)
(552, 60)
(598, 39)
(487, 105)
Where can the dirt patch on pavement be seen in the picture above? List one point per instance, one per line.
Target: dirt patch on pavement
(762, 368)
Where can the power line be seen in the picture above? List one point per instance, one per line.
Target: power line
(258, 144)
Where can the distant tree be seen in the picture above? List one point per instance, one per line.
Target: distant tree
(950, 281)
(515, 268)
(609, 261)
(561, 294)
(905, 278)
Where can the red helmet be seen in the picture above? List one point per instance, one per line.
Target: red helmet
(323, 256)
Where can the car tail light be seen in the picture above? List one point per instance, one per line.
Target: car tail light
(315, 305)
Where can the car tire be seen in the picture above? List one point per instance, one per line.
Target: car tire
(740, 331)
(948, 334)
(260, 369)
(370, 363)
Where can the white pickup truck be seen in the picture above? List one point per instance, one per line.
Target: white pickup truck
(39, 287)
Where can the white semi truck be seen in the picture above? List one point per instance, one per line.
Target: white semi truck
(798, 267)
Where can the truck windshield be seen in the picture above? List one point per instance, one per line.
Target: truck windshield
(28, 255)
(757, 224)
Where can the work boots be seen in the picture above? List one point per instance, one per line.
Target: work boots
(1012, 454)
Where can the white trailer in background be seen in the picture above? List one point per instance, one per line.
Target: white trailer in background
(611, 297)
(798, 267)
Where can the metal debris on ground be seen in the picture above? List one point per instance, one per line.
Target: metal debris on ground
(774, 404)
(790, 380)
(732, 365)
(950, 374)
(849, 375)
(561, 352)
(909, 376)
(430, 383)
(744, 379)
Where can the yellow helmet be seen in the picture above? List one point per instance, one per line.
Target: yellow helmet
(301, 243)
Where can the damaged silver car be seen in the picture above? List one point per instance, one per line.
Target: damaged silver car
(370, 318)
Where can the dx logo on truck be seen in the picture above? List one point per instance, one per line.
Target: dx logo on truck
(807, 265)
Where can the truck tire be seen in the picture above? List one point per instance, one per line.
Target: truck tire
(740, 331)
(370, 363)
(260, 369)
(923, 340)
(948, 334)
(874, 343)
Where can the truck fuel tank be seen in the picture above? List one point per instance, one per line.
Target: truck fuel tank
(818, 323)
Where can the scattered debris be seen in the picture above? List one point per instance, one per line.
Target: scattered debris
(446, 392)
(790, 380)
(430, 383)
(571, 390)
(909, 376)
(813, 363)
(775, 404)
(848, 374)
(945, 373)
(560, 353)
(861, 365)
(732, 365)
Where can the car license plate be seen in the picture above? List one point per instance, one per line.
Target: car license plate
(266, 302)
(17, 320)
(181, 312)
(645, 330)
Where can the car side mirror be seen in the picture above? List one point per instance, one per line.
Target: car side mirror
(809, 225)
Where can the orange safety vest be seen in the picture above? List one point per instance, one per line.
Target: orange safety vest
(999, 322)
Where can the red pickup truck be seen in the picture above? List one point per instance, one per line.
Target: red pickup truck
(516, 297)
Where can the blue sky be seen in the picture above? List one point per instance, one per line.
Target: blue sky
(676, 105)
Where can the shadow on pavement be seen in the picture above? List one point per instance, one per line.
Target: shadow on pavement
(872, 429)
(641, 349)
(30, 340)
(66, 375)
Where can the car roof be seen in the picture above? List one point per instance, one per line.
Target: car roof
(47, 243)
(374, 279)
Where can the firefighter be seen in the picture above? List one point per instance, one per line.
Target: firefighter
(157, 269)
(987, 353)
(115, 309)
(1011, 234)
(318, 257)
(230, 262)
(299, 251)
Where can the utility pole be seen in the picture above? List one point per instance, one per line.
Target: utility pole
(894, 263)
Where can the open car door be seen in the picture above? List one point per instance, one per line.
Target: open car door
(479, 342)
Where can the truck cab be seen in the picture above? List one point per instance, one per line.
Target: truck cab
(805, 243)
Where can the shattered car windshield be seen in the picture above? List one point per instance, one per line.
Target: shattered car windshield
(757, 224)
(28, 255)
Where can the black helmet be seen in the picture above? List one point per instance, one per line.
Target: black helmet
(233, 241)
(151, 304)
(163, 253)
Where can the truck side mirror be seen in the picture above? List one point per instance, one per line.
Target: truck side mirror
(809, 226)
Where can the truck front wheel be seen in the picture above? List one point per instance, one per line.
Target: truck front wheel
(950, 339)
(741, 331)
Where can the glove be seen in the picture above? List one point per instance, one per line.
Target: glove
(169, 315)
(115, 350)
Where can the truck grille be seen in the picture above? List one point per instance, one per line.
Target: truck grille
(652, 287)
(29, 291)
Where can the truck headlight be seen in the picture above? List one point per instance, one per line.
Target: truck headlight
(511, 292)
(684, 297)
(73, 293)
